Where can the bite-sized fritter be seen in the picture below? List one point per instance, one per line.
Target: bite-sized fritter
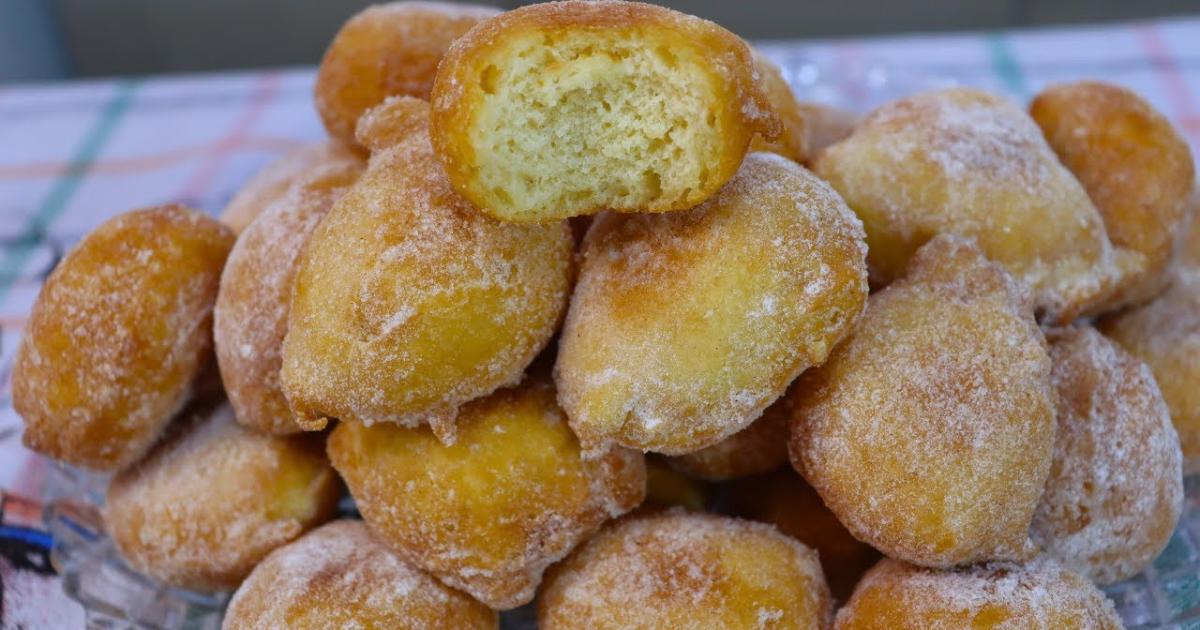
(759, 448)
(793, 142)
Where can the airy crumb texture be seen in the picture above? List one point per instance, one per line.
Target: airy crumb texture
(568, 108)
(685, 326)
(214, 498)
(1115, 489)
(687, 571)
(432, 305)
(929, 430)
(490, 513)
(759, 448)
(340, 576)
(119, 332)
(387, 50)
(1037, 595)
(793, 141)
(1136, 168)
(965, 162)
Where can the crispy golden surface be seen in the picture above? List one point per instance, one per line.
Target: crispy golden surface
(759, 448)
(793, 141)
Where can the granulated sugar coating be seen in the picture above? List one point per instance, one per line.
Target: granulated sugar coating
(118, 335)
(214, 498)
(1115, 489)
(759, 448)
(964, 162)
(684, 326)
(490, 513)
(683, 570)
(340, 576)
(929, 430)
(251, 315)
(1037, 595)
(409, 302)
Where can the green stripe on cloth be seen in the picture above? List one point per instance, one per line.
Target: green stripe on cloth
(64, 188)
(1005, 66)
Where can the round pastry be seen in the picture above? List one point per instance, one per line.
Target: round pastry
(685, 326)
(270, 183)
(1115, 489)
(759, 448)
(369, 324)
(1188, 258)
(783, 499)
(1136, 168)
(387, 50)
(965, 162)
(251, 314)
(1038, 595)
(676, 569)
(567, 108)
(826, 126)
(117, 336)
(340, 576)
(929, 430)
(667, 487)
(490, 513)
(793, 141)
(214, 498)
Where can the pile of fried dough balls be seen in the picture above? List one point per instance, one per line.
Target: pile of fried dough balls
(543, 243)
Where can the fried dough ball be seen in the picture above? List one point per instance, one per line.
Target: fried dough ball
(567, 108)
(370, 323)
(676, 569)
(965, 162)
(783, 499)
(251, 315)
(1115, 489)
(1188, 258)
(826, 125)
(666, 487)
(1037, 595)
(793, 141)
(214, 498)
(340, 576)
(1136, 168)
(929, 430)
(759, 448)
(390, 49)
(490, 513)
(685, 326)
(118, 335)
(1165, 333)
(274, 180)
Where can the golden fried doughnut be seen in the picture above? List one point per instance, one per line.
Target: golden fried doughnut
(214, 498)
(387, 50)
(1188, 258)
(929, 430)
(826, 125)
(1037, 595)
(340, 576)
(568, 108)
(117, 336)
(759, 448)
(435, 304)
(685, 326)
(490, 513)
(1115, 489)
(1165, 333)
(250, 318)
(1136, 168)
(274, 180)
(666, 487)
(676, 569)
(965, 162)
(793, 141)
(783, 499)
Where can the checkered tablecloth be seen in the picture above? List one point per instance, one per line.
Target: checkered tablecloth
(75, 153)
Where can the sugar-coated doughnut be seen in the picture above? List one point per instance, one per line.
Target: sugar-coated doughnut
(390, 49)
(793, 141)
(676, 569)
(1188, 258)
(825, 125)
(965, 162)
(567, 108)
(117, 336)
(341, 576)
(1037, 595)
(684, 326)
(1115, 489)
(251, 314)
(214, 498)
(929, 430)
(759, 448)
(667, 487)
(490, 513)
(370, 323)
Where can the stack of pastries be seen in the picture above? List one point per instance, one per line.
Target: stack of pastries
(557, 271)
